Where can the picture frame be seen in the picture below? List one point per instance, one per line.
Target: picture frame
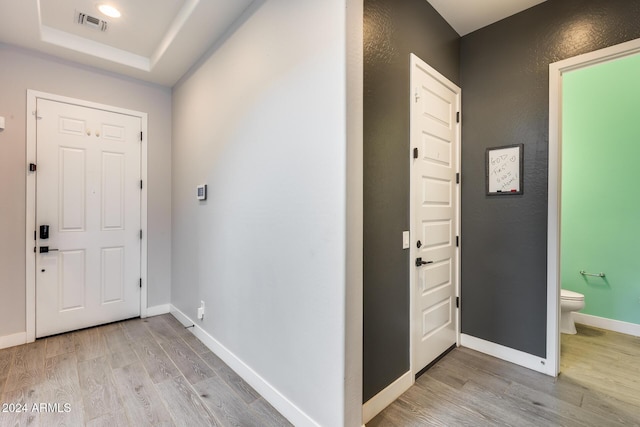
(504, 170)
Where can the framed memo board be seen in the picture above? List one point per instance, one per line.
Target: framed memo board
(504, 170)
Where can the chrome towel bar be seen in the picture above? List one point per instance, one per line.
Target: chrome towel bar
(584, 273)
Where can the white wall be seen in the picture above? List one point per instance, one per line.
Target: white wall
(263, 121)
(21, 70)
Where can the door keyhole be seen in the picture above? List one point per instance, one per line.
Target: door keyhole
(419, 244)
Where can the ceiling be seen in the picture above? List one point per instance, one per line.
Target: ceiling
(154, 40)
(159, 40)
(466, 16)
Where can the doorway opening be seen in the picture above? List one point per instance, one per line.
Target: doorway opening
(556, 72)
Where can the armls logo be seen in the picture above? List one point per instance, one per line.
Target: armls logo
(51, 407)
(36, 407)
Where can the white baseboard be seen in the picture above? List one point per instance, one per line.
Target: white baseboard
(13, 340)
(377, 403)
(157, 310)
(509, 354)
(608, 324)
(182, 318)
(283, 405)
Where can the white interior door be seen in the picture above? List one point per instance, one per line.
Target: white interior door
(88, 193)
(435, 142)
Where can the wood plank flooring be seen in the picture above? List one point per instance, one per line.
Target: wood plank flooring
(140, 372)
(154, 372)
(599, 386)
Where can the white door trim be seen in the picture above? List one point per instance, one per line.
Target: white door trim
(556, 70)
(414, 60)
(32, 96)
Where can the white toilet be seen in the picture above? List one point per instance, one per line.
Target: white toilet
(569, 302)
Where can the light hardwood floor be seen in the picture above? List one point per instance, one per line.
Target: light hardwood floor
(599, 386)
(140, 372)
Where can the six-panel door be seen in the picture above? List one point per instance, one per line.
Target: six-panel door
(88, 192)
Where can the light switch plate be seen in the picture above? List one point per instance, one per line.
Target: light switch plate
(405, 240)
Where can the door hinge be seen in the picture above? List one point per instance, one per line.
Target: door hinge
(457, 177)
(415, 153)
(457, 241)
(141, 234)
(34, 249)
(32, 167)
(141, 282)
(457, 302)
(140, 135)
(34, 235)
(458, 117)
(141, 184)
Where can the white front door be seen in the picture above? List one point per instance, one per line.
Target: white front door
(435, 141)
(88, 194)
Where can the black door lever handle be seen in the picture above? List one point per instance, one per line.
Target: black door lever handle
(420, 262)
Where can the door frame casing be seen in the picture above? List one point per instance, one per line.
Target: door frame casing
(556, 71)
(31, 121)
(415, 60)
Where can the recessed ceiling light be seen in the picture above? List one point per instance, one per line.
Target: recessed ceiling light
(110, 11)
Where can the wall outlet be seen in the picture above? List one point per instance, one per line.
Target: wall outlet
(201, 310)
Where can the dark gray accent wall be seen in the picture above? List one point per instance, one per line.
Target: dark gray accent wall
(505, 100)
(392, 30)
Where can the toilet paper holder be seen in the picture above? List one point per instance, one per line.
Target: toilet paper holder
(584, 273)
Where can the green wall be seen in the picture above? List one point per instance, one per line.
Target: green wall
(601, 187)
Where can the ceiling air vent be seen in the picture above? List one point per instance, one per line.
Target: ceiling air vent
(91, 21)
